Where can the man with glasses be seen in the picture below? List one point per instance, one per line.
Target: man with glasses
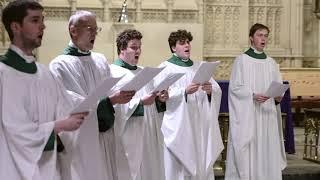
(81, 71)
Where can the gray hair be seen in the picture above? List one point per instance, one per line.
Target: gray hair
(76, 17)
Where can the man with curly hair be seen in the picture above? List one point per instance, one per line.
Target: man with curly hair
(137, 126)
(190, 124)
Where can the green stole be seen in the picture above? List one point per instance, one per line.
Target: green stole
(105, 110)
(72, 51)
(122, 63)
(12, 59)
(179, 62)
(250, 52)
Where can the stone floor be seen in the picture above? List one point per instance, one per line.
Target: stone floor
(297, 168)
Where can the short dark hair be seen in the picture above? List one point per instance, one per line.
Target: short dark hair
(180, 35)
(16, 11)
(257, 27)
(124, 38)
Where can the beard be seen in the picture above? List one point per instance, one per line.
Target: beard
(31, 43)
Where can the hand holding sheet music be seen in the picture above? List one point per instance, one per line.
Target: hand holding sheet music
(168, 81)
(276, 89)
(141, 79)
(90, 102)
(205, 71)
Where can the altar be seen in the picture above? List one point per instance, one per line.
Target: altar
(285, 108)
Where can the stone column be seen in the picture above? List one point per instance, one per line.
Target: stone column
(170, 10)
(296, 32)
(200, 11)
(4, 37)
(138, 11)
(73, 5)
(318, 54)
(106, 5)
(244, 25)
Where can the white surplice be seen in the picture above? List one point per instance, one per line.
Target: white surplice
(81, 75)
(30, 104)
(190, 127)
(138, 138)
(255, 146)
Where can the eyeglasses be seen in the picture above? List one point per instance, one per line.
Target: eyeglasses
(92, 29)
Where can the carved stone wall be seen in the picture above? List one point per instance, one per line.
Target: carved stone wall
(154, 18)
(220, 28)
(227, 24)
(311, 46)
(4, 38)
(221, 25)
(139, 10)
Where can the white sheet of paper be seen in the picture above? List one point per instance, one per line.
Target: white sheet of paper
(168, 81)
(103, 90)
(141, 79)
(276, 89)
(205, 71)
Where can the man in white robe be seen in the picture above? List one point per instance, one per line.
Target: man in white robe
(255, 145)
(137, 125)
(190, 124)
(82, 71)
(33, 102)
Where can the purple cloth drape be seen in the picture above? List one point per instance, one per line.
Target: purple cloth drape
(285, 108)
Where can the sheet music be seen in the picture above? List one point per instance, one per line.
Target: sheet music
(103, 90)
(168, 81)
(141, 79)
(205, 71)
(276, 89)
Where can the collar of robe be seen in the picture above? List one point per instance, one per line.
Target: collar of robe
(69, 50)
(178, 61)
(250, 52)
(122, 63)
(15, 61)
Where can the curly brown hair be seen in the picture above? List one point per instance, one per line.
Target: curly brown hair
(180, 35)
(124, 38)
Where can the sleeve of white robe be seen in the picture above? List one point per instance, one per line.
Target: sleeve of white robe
(6, 162)
(215, 144)
(128, 129)
(129, 134)
(123, 112)
(283, 160)
(176, 125)
(25, 139)
(241, 113)
(67, 100)
(177, 131)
